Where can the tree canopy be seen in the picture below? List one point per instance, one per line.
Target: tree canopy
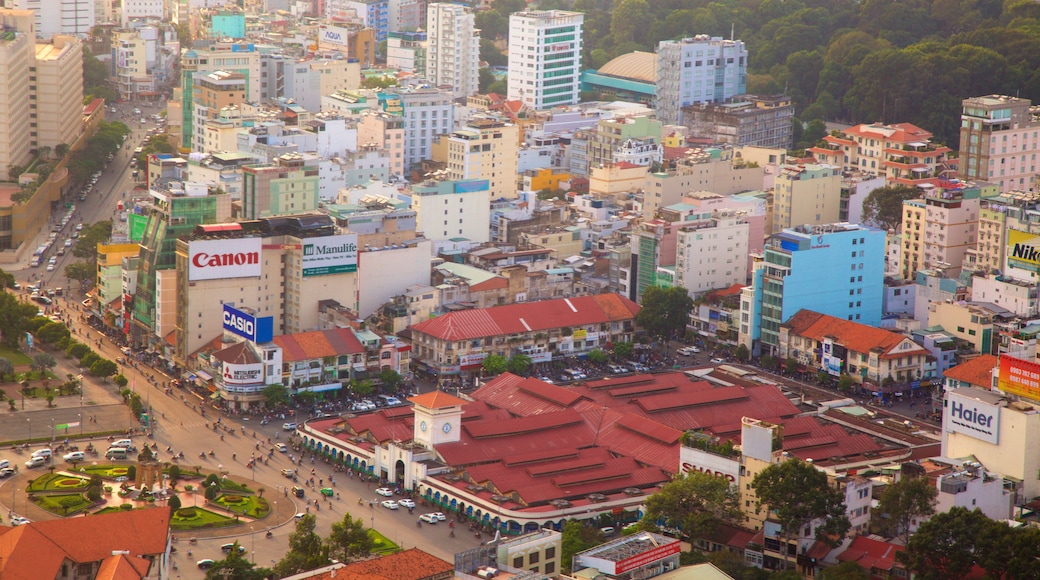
(903, 502)
(349, 540)
(695, 504)
(665, 311)
(944, 547)
(883, 207)
(307, 551)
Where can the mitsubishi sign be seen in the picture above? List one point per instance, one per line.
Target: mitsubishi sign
(242, 374)
(223, 259)
(972, 417)
(256, 329)
(330, 255)
(334, 35)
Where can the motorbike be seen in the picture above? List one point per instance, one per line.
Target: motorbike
(211, 454)
(203, 454)
(270, 534)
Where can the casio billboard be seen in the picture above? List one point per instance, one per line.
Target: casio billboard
(256, 329)
(223, 259)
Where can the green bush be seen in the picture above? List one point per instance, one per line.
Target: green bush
(185, 513)
(126, 506)
(211, 479)
(131, 472)
(94, 494)
(211, 493)
(174, 502)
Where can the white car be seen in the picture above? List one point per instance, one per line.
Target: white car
(716, 361)
(50, 267)
(35, 462)
(428, 518)
(289, 426)
(385, 492)
(44, 453)
(406, 503)
(19, 521)
(389, 504)
(282, 448)
(439, 516)
(74, 456)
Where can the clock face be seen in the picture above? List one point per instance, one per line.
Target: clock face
(447, 427)
(422, 426)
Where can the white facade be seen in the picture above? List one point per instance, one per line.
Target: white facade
(380, 283)
(427, 113)
(453, 49)
(1018, 297)
(701, 69)
(858, 188)
(545, 57)
(74, 17)
(442, 214)
(712, 254)
(141, 9)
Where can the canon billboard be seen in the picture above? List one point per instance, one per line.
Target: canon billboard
(223, 259)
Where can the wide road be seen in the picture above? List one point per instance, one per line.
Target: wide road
(181, 425)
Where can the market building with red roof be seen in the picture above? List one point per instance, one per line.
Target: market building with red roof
(521, 454)
(458, 342)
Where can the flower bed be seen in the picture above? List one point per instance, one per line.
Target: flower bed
(57, 482)
(62, 504)
(198, 518)
(250, 505)
(105, 471)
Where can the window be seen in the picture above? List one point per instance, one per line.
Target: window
(518, 562)
(550, 553)
(550, 568)
(533, 558)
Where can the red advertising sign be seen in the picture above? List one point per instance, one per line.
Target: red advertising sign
(1019, 377)
(648, 557)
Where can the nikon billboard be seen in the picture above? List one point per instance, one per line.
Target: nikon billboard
(1023, 250)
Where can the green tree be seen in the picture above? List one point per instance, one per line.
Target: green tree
(349, 540)
(276, 394)
(905, 501)
(623, 350)
(174, 502)
(94, 493)
(308, 398)
(695, 504)
(103, 368)
(484, 80)
(6, 279)
(597, 356)
(742, 353)
(846, 383)
(797, 493)
(14, 319)
(494, 364)
(944, 547)
(61, 150)
(306, 549)
(576, 537)
(77, 349)
(52, 332)
(498, 87)
(390, 378)
(791, 365)
(630, 21)
(235, 566)
(1006, 552)
(665, 312)
(86, 246)
(492, 25)
(362, 387)
(83, 272)
(883, 207)
(518, 364)
(491, 55)
(120, 380)
(6, 368)
(43, 362)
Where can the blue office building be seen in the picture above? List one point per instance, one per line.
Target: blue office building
(834, 269)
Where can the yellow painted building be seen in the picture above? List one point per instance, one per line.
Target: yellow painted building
(484, 148)
(616, 178)
(539, 179)
(110, 271)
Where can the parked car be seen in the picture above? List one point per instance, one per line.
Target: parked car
(45, 453)
(289, 426)
(35, 462)
(205, 564)
(6, 472)
(717, 361)
(429, 518)
(19, 521)
(74, 456)
(385, 492)
(439, 516)
(389, 504)
(406, 503)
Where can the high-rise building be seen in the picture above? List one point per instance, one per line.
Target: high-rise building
(240, 58)
(406, 15)
(482, 149)
(999, 142)
(72, 17)
(833, 269)
(213, 92)
(712, 253)
(940, 227)
(452, 48)
(374, 14)
(59, 91)
(545, 57)
(702, 69)
(17, 58)
(806, 195)
(289, 186)
(427, 113)
(406, 51)
(452, 209)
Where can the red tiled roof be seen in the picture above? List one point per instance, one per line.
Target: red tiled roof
(528, 317)
(123, 568)
(870, 553)
(977, 371)
(413, 564)
(852, 335)
(318, 344)
(437, 400)
(237, 354)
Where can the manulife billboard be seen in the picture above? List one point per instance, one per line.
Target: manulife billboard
(330, 255)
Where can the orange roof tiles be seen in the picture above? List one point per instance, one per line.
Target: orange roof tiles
(413, 564)
(437, 400)
(852, 335)
(977, 371)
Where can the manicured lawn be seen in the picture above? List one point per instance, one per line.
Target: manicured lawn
(227, 485)
(112, 509)
(244, 504)
(105, 471)
(57, 482)
(17, 358)
(200, 519)
(62, 504)
(381, 545)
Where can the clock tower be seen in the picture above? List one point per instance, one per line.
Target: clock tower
(438, 418)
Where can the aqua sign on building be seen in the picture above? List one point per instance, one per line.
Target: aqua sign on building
(330, 255)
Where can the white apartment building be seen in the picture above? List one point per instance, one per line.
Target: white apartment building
(73, 17)
(1000, 137)
(545, 57)
(427, 113)
(453, 209)
(484, 148)
(405, 15)
(712, 253)
(142, 9)
(59, 91)
(17, 58)
(702, 69)
(452, 48)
